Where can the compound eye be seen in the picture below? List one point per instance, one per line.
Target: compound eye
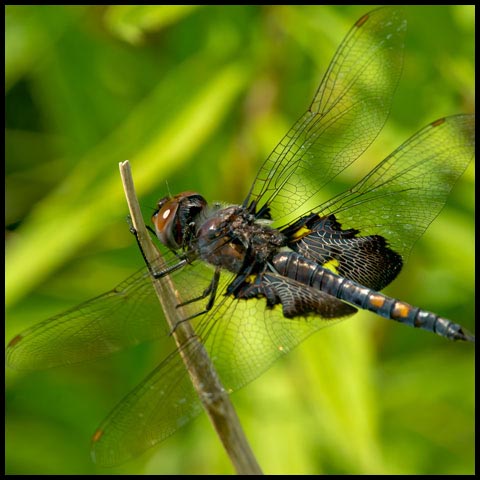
(174, 217)
(165, 223)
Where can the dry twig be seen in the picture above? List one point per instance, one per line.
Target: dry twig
(213, 396)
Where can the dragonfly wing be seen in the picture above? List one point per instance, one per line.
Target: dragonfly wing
(404, 193)
(347, 113)
(154, 410)
(122, 317)
(366, 260)
(243, 339)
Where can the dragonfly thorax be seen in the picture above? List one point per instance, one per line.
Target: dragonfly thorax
(231, 238)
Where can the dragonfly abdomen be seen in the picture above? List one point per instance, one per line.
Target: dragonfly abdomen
(301, 269)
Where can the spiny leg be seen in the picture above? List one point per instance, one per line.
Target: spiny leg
(182, 261)
(210, 291)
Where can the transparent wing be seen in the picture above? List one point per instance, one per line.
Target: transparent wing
(404, 193)
(347, 113)
(154, 410)
(121, 318)
(242, 337)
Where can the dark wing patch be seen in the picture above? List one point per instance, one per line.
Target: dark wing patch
(365, 260)
(296, 298)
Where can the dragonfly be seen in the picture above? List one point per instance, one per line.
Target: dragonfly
(259, 277)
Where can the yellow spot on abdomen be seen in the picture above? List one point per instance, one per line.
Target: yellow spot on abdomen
(301, 232)
(332, 265)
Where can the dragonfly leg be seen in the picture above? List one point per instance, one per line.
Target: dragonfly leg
(211, 291)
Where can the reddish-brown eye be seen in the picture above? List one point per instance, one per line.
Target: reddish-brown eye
(173, 216)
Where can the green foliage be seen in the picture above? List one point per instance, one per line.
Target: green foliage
(197, 97)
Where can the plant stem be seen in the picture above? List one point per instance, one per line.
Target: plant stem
(213, 396)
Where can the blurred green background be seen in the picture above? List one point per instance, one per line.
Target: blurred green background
(197, 97)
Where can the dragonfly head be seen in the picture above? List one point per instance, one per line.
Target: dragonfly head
(174, 218)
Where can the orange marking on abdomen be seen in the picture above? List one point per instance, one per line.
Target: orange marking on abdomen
(377, 301)
(401, 310)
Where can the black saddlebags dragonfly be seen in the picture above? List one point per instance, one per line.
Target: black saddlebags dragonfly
(259, 277)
